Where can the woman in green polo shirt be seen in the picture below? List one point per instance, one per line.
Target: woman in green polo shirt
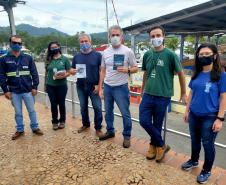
(58, 67)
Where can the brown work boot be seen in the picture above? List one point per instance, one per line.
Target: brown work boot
(160, 152)
(82, 129)
(17, 135)
(61, 125)
(126, 143)
(38, 132)
(151, 153)
(55, 126)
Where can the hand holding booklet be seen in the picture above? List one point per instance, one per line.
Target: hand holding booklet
(81, 70)
(58, 74)
(118, 60)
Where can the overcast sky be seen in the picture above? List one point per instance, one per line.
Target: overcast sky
(71, 16)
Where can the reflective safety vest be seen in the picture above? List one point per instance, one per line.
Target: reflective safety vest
(18, 74)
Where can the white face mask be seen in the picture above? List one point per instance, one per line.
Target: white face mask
(115, 41)
(156, 42)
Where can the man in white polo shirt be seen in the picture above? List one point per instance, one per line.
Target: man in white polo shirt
(118, 62)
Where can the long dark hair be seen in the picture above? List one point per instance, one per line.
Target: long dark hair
(49, 56)
(216, 70)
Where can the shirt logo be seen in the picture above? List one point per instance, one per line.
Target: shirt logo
(160, 62)
(25, 67)
(10, 62)
(208, 85)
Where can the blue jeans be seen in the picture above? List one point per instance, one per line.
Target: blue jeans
(151, 114)
(201, 131)
(84, 92)
(119, 94)
(29, 103)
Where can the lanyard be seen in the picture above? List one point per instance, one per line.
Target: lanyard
(17, 66)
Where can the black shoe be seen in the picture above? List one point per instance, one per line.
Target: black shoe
(82, 129)
(189, 165)
(126, 143)
(107, 135)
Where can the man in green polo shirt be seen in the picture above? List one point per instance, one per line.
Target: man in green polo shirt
(159, 66)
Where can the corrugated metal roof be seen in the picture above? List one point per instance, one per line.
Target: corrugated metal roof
(203, 19)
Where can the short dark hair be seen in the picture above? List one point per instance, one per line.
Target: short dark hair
(16, 36)
(156, 27)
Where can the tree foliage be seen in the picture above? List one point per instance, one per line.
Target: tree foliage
(37, 44)
(172, 43)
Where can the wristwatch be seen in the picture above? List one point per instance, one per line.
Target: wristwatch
(129, 71)
(220, 118)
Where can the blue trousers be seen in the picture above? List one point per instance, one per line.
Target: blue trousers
(29, 102)
(84, 92)
(120, 95)
(151, 114)
(201, 132)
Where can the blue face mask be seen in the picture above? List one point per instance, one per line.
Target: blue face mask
(84, 47)
(15, 47)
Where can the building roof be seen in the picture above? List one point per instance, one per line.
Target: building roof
(204, 19)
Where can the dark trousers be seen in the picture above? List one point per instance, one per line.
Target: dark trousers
(85, 91)
(151, 114)
(57, 96)
(201, 132)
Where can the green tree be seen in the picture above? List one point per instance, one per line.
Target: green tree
(190, 44)
(172, 43)
(4, 37)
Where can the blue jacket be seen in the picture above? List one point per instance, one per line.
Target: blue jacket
(18, 74)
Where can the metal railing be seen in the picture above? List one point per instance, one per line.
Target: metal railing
(165, 129)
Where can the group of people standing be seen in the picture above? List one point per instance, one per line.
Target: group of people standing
(106, 76)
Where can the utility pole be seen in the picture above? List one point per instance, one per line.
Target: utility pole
(8, 6)
(107, 20)
(9, 10)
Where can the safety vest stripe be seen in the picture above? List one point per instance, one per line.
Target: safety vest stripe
(11, 74)
(21, 73)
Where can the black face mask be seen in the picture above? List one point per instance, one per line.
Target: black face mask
(54, 51)
(205, 61)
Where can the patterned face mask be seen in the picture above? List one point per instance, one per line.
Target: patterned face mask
(84, 47)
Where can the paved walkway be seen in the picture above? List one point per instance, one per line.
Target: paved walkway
(64, 157)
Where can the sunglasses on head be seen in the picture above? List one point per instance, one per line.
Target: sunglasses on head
(19, 43)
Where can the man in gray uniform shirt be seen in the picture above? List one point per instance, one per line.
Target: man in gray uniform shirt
(118, 62)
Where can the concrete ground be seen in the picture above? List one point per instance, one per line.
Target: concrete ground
(65, 157)
(178, 143)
